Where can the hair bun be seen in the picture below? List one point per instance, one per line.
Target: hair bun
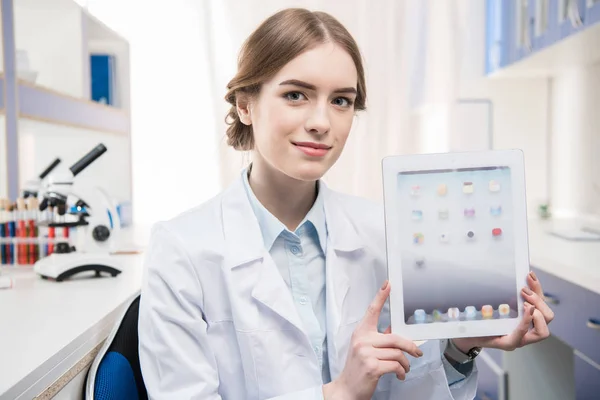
(239, 135)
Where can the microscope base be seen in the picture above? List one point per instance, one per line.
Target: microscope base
(59, 266)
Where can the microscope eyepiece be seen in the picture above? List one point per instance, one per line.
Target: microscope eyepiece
(88, 159)
(50, 168)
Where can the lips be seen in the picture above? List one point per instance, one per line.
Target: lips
(312, 145)
(312, 149)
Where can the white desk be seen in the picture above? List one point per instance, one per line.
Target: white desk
(574, 262)
(48, 327)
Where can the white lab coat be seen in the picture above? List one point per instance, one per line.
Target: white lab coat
(217, 320)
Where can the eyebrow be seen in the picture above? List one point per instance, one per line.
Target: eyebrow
(296, 82)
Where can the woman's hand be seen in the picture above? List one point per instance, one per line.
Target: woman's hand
(371, 355)
(536, 312)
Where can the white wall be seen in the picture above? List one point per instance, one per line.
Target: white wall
(50, 32)
(174, 151)
(576, 141)
(3, 165)
(41, 143)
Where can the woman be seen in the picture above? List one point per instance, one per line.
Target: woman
(277, 287)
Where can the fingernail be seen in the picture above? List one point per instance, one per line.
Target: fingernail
(528, 291)
(419, 352)
(532, 274)
(385, 284)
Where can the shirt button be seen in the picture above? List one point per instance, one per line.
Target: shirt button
(303, 300)
(317, 349)
(295, 250)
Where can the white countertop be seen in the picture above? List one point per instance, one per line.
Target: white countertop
(41, 322)
(41, 319)
(577, 262)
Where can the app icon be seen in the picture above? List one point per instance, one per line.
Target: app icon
(495, 210)
(496, 232)
(420, 261)
(469, 212)
(415, 190)
(417, 215)
(470, 235)
(444, 238)
(420, 316)
(487, 311)
(437, 315)
(468, 187)
(453, 313)
(494, 186)
(504, 310)
(470, 312)
(442, 189)
(443, 213)
(418, 238)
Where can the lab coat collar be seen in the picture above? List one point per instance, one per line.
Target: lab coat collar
(341, 231)
(271, 227)
(244, 237)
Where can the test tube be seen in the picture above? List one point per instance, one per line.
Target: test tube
(32, 207)
(12, 259)
(3, 231)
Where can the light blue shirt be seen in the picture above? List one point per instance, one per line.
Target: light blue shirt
(300, 258)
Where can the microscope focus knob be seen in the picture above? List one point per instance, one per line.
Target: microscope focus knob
(101, 233)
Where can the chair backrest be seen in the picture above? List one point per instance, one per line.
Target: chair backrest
(115, 373)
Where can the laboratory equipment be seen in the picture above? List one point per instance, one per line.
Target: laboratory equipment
(95, 219)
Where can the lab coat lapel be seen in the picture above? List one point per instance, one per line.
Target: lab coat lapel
(245, 249)
(344, 245)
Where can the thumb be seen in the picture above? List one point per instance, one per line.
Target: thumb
(371, 317)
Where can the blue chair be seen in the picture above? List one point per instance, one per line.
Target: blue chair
(115, 373)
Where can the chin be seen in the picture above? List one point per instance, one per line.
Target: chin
(308, 170)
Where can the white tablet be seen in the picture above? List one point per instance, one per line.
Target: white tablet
(456, 232)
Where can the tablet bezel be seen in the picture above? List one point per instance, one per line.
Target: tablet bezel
(391, 167)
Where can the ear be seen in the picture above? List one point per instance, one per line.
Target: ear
(242, 104)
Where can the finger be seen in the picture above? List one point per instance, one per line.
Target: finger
(393, 355)
(396, 342)
(494, 342)
(514, 339)
(539, 303)
(535, 285)
(388, 330)
(386, 367)
(540, 330)
(371, 317)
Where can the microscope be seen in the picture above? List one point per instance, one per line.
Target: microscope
(96, 221)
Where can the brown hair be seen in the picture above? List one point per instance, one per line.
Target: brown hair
(277, 41)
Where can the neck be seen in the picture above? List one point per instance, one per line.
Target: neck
(288, 199)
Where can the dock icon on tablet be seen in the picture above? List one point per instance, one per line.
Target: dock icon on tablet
(468, 187)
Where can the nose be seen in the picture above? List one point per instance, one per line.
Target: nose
(318, 120)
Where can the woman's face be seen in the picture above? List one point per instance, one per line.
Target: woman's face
(303, 115)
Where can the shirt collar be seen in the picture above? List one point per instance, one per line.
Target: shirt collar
(271, 227)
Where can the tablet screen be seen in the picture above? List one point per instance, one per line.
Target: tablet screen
(457, 244)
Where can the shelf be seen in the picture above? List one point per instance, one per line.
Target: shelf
(582, 48)
(46, 105)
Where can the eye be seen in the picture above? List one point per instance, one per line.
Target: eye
(295, 96)
(342, 102)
